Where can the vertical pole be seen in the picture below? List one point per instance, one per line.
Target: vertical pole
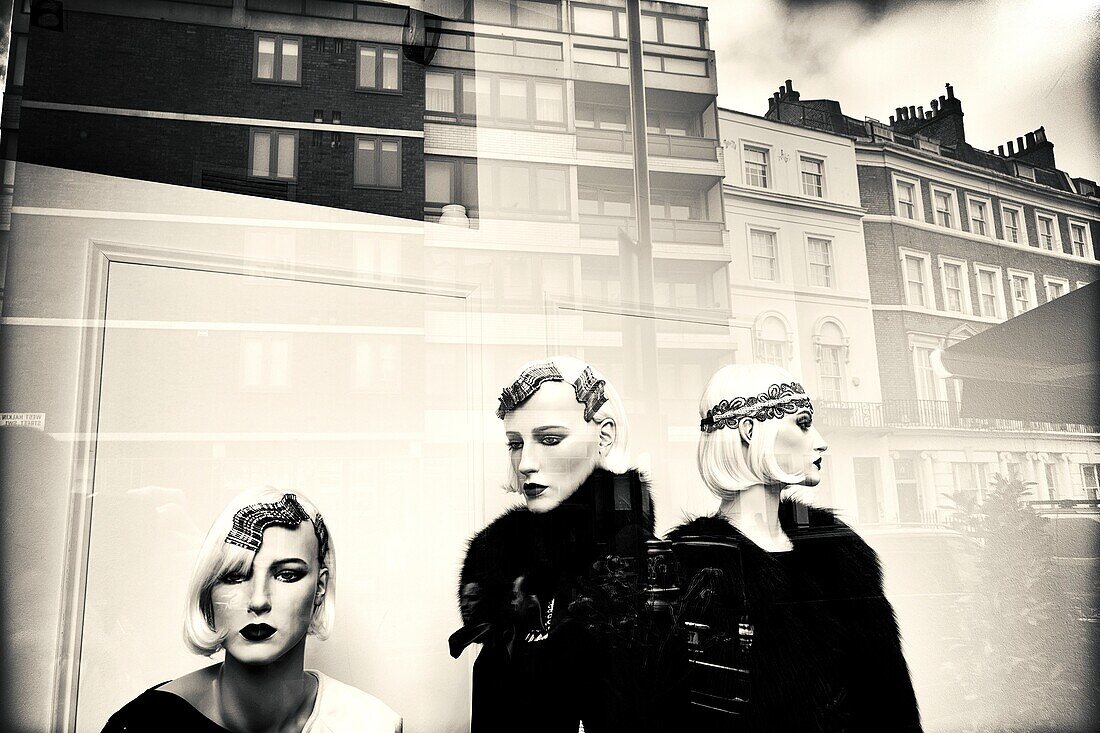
(639, 331)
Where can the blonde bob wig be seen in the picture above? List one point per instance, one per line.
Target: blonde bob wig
(617, 459)
(218, 558)
(726, 464)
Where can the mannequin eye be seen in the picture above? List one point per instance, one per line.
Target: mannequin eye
(514, 445)
(288, 575)
(550, 439)
(233, 578)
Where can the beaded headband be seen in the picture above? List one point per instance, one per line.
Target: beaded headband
(780, 399)
(588, 389)
(250, 522)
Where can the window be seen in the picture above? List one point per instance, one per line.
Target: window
(602, 117)
(908, 198)
(970, 477)
(1079, 240)
(677, 205)
(813, 177)
(916, 268)
(278, 59)
(667, 122)
(377, 162)
(1023, 291)
(1011, 217)
(765, 265)
(439, 92)
(670, 30)
(979, 216)
(273, 154)
(772, 342)
(600, 201)
(450, 181)
(1056, 287)
(756, 166)
(956, 289)
(525, 189)
(929, 386)
(379, 69)
(819, 258)
(518, 47)
(1090, 479)
(537, 14)
(943, 205)
(832, 351)
(598, 22)
(990, 297)
(1047, 228)
(549, 106)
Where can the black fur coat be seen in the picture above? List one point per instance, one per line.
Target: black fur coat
(541, 669)
(825, 653)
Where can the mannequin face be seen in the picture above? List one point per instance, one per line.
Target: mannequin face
(553, 449)
(799, 447)
(265, 611)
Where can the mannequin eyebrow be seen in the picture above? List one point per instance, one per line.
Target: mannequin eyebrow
(543, 428)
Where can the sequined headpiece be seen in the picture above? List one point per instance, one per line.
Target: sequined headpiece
(250, 522)
(780, 399)
(589, 390)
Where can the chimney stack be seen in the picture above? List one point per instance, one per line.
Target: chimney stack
(790, 87)
(912, 112)
(950, 91)
(1030, 139)
(1011, 152)
(1001, 150)
(920, 111)
(935, 106)
(1020, 144)
(891, 120)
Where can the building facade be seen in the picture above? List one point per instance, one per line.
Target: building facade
(959, 239)
(801, 294)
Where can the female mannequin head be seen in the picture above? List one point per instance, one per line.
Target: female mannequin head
(757, 428)
(562, 420)
(264, 578)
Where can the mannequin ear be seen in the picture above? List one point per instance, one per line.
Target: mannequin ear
(609, 431)
(744, 426)
(322, 587)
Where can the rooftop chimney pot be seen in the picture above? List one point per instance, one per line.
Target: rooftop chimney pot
(912, 112)
(1020, 144)
(789, 85)
(1011, 152)
(935, 103)
(1031, 139)
(950, 91)
(1041, 134)
(891, 120)
(920, 111)
(1001, 150)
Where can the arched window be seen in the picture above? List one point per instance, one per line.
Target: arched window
(831, 353)
(772, 340)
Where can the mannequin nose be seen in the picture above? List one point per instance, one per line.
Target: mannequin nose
(259, 601)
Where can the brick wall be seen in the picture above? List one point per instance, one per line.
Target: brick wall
(166, 66)
(171, 152)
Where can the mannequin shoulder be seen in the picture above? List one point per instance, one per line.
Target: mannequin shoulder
(342, 708)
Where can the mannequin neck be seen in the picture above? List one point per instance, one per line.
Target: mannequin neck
(754, 512)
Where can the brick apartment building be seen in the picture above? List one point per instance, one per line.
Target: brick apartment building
(959, 239)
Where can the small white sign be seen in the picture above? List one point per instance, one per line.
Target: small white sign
(36, 420)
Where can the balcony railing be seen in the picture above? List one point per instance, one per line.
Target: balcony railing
(675, 231)
(928, 414)
(237, 180)
(665, 146)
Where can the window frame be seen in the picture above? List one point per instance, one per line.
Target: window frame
(830, 272)
(953, 199)
(1088, 250)
(1032, 298)
(759, 148)
(456, 163)
(273, 153)
(786, 346)
(378, 140)
(918, 197)
(277, 59)
(774, 232)
(1055, 237)
(618, 20)
(1021, 224)
(379, 69)
(843, 351)
(988, 221)
(998, 287)
(926, 269)
(964, 279)
(820, 160)
(921, 343)
(491, 183)
(1049, 279)
(660, 39)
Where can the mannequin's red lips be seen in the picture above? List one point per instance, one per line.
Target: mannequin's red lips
(531, 490)
(258, 632)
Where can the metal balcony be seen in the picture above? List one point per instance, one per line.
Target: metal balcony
(928, 414)
(237, 180)
(669, 231)
(660, 145)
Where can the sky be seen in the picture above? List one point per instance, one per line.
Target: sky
(1015, 64)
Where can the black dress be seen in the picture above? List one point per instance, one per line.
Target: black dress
(154, 711)
(554, 598)
(802, 640)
